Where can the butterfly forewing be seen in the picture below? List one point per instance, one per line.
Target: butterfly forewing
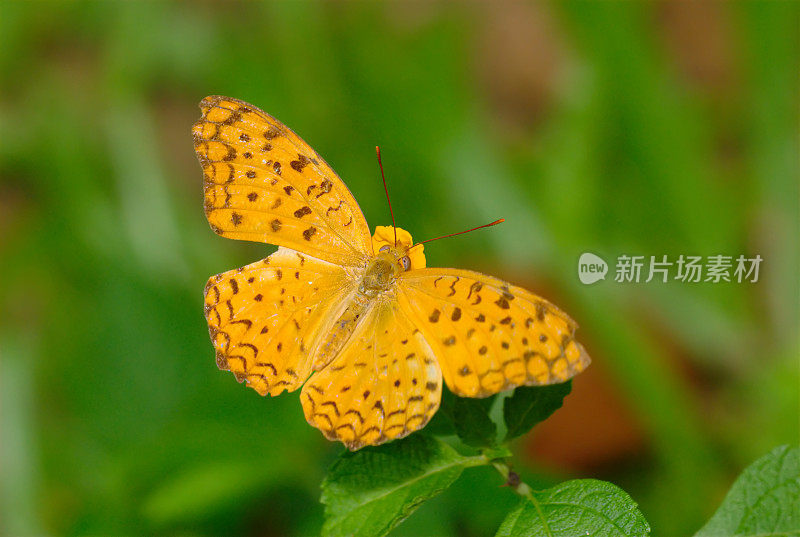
(263, 183)
(384, 383)
(264, 318)
(490, 336)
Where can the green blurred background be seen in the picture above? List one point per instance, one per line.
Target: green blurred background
(639, 129)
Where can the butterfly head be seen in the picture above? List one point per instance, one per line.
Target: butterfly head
(404, 255)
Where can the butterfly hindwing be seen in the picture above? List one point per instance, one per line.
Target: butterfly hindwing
(490, 336)
(383, 384)
(263, 183)
(265, 317)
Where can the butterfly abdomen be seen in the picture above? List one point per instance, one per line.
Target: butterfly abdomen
(341, 330)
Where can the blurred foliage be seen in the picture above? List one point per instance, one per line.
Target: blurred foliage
(650, 129)
(764, 500)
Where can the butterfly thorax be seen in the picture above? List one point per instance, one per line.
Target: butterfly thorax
(380, 274)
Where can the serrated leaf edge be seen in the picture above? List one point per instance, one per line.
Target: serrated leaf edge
(464, 462)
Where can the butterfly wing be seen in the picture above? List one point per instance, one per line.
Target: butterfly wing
(263, 183)
(384, 383)
(488, 335)
(265, 319)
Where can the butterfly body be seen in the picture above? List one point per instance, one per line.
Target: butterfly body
(359, 321)
(379, 275)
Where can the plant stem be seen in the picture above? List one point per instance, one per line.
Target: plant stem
(517, 485)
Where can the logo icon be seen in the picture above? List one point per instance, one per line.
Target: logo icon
(591, 268)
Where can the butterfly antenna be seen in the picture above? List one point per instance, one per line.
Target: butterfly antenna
(378, 151)
(500, 221)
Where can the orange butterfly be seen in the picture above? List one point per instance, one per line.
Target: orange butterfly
(361, 315)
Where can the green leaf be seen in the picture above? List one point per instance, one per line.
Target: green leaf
(472, 422)
(442, 422)
(371, 491)
(496, 452)
(531, 404)
(584, 507)
(764, 500)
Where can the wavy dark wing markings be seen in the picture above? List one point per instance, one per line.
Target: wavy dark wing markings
(384, 383)
(488, 335)
(266, 318)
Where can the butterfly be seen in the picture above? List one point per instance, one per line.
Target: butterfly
(355, 319)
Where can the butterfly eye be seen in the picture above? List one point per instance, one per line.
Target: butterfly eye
(405, 262)
(384, 248)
